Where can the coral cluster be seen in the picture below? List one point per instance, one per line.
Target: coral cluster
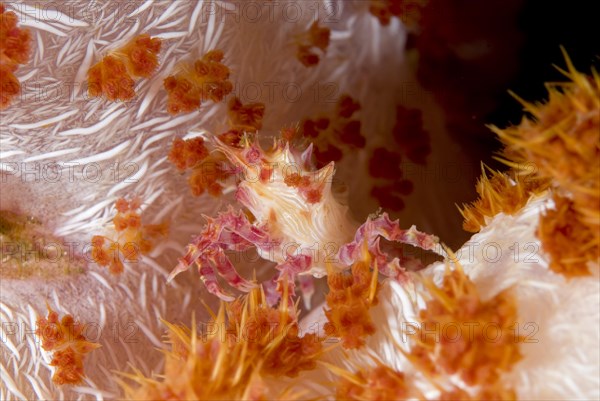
(461, 346)
(349, 302)
(15, 46)
(246, 344)
(558, 146)
(501, 193)
(113, 76)
(207, 79)
(211, 170)
(133, 238)
(208, 170)
(316, 37)
(444, 345)
(65, 339)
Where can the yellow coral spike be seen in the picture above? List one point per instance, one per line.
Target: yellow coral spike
(529, 107)
(452, 256)
(445, 300)
(341, 372)
(374, 283)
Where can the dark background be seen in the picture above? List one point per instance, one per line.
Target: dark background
(546, 26)
(471, 53)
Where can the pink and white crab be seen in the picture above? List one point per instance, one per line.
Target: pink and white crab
(297, 223)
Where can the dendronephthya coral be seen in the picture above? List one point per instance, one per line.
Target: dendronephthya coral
(513, 313)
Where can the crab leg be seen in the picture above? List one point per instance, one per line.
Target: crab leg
(295, 264)
(196, 248)
(239, 225)
(208, 277)
(382, 226)
(307, 287)
(271, 292)
(226, 270)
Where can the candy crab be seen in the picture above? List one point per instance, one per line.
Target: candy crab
(294, 220)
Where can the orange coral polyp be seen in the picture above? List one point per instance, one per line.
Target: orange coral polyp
(15, 43)
(475, 358)
(316, 37)
(208, 170)
(112, 77)
(379, 383)
(246, 117)
(258, 342)
(15, 46)
(206, 79)
(349, 301)
(65, 338)
(9, 86)
(567, 240)
(562, 142)
(133, 237)
(142, 55)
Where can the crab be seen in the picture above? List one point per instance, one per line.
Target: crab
(295, 221)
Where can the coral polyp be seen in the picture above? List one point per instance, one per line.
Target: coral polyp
(206, 79)
(130, 238)
(567, 240)
(476, 358)
(348, 304)
(113, 76)
(65, 339)
(317, 37)
(15, 46)
(502, 192)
